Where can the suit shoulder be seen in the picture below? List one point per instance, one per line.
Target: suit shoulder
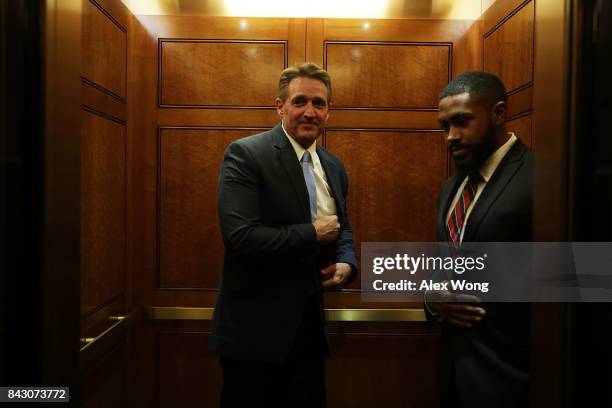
(253, 144)
(254, 141)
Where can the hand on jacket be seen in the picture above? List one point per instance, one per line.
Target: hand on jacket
(335, 276)
(456, 309)
(327, 228)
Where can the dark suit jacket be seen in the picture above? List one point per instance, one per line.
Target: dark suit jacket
(272, 261)
(488, 364)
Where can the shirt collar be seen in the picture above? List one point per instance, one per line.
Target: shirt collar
(490, 165)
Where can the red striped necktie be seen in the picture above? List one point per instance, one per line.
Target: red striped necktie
(456, 220)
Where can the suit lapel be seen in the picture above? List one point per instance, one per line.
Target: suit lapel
(288, 160)
(497, 183)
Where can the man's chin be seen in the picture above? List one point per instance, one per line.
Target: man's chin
(308, 135)
(306, 139)
(465, 164)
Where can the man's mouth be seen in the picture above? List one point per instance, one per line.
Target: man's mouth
(309, 126)
(459, 150)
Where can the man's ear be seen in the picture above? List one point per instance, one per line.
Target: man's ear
(499, 112)
(279, 107)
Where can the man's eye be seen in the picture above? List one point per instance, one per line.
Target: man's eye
(460, 123)
(298, 102)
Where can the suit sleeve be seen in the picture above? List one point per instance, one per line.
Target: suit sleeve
(440, 235)
(345, 247)
(240, 213)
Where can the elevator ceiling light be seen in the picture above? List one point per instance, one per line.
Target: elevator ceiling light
(311, 8)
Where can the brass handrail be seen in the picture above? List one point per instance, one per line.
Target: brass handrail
(333, 315)
(88, 341)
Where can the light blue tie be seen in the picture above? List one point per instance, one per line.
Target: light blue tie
(307, 168)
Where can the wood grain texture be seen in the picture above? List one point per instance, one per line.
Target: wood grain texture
(498, 11)
(394, 370)
(93, 98)
(190, 245)
(346, 29)
(392, 75)
(467, 50)
(521, 126)
(265, 118)
(381, 119)
(106, 384)
(508, 51)
(394, 181)
(102, 211)
(142, 156)
(220, 73)
(116, 9)
(520, 102)
(104, 55)
(231, 28)
(189, 375)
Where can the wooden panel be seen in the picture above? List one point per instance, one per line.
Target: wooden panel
(189, 375)
(387, 30)
(116, 10)
(467, 50)
(291, 30)
(264, 118)
(363, 119)
(508, 51)
(395, 370)
(190, 245)
(498, 11)
(104, 50)
(394, 181)
(220, 73)
(94, 98)
(520, 102)
(102, 210)
(394, 30)
(105, 384)
(522, 127)
(142, 156)
(392, 75)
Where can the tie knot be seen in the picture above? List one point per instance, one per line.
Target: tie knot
(306, 157)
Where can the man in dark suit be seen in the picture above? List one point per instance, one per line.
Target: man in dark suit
(282, 210)
(484, 347)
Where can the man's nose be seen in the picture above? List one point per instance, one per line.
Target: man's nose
(309, 111)
(452, 134)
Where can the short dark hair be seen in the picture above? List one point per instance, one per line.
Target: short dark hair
(307, 69)
(481, 86)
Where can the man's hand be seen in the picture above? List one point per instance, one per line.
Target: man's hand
(456, 309)
(335, 276)
(327, 228)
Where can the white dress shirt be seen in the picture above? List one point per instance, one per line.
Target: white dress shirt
(325, 201)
